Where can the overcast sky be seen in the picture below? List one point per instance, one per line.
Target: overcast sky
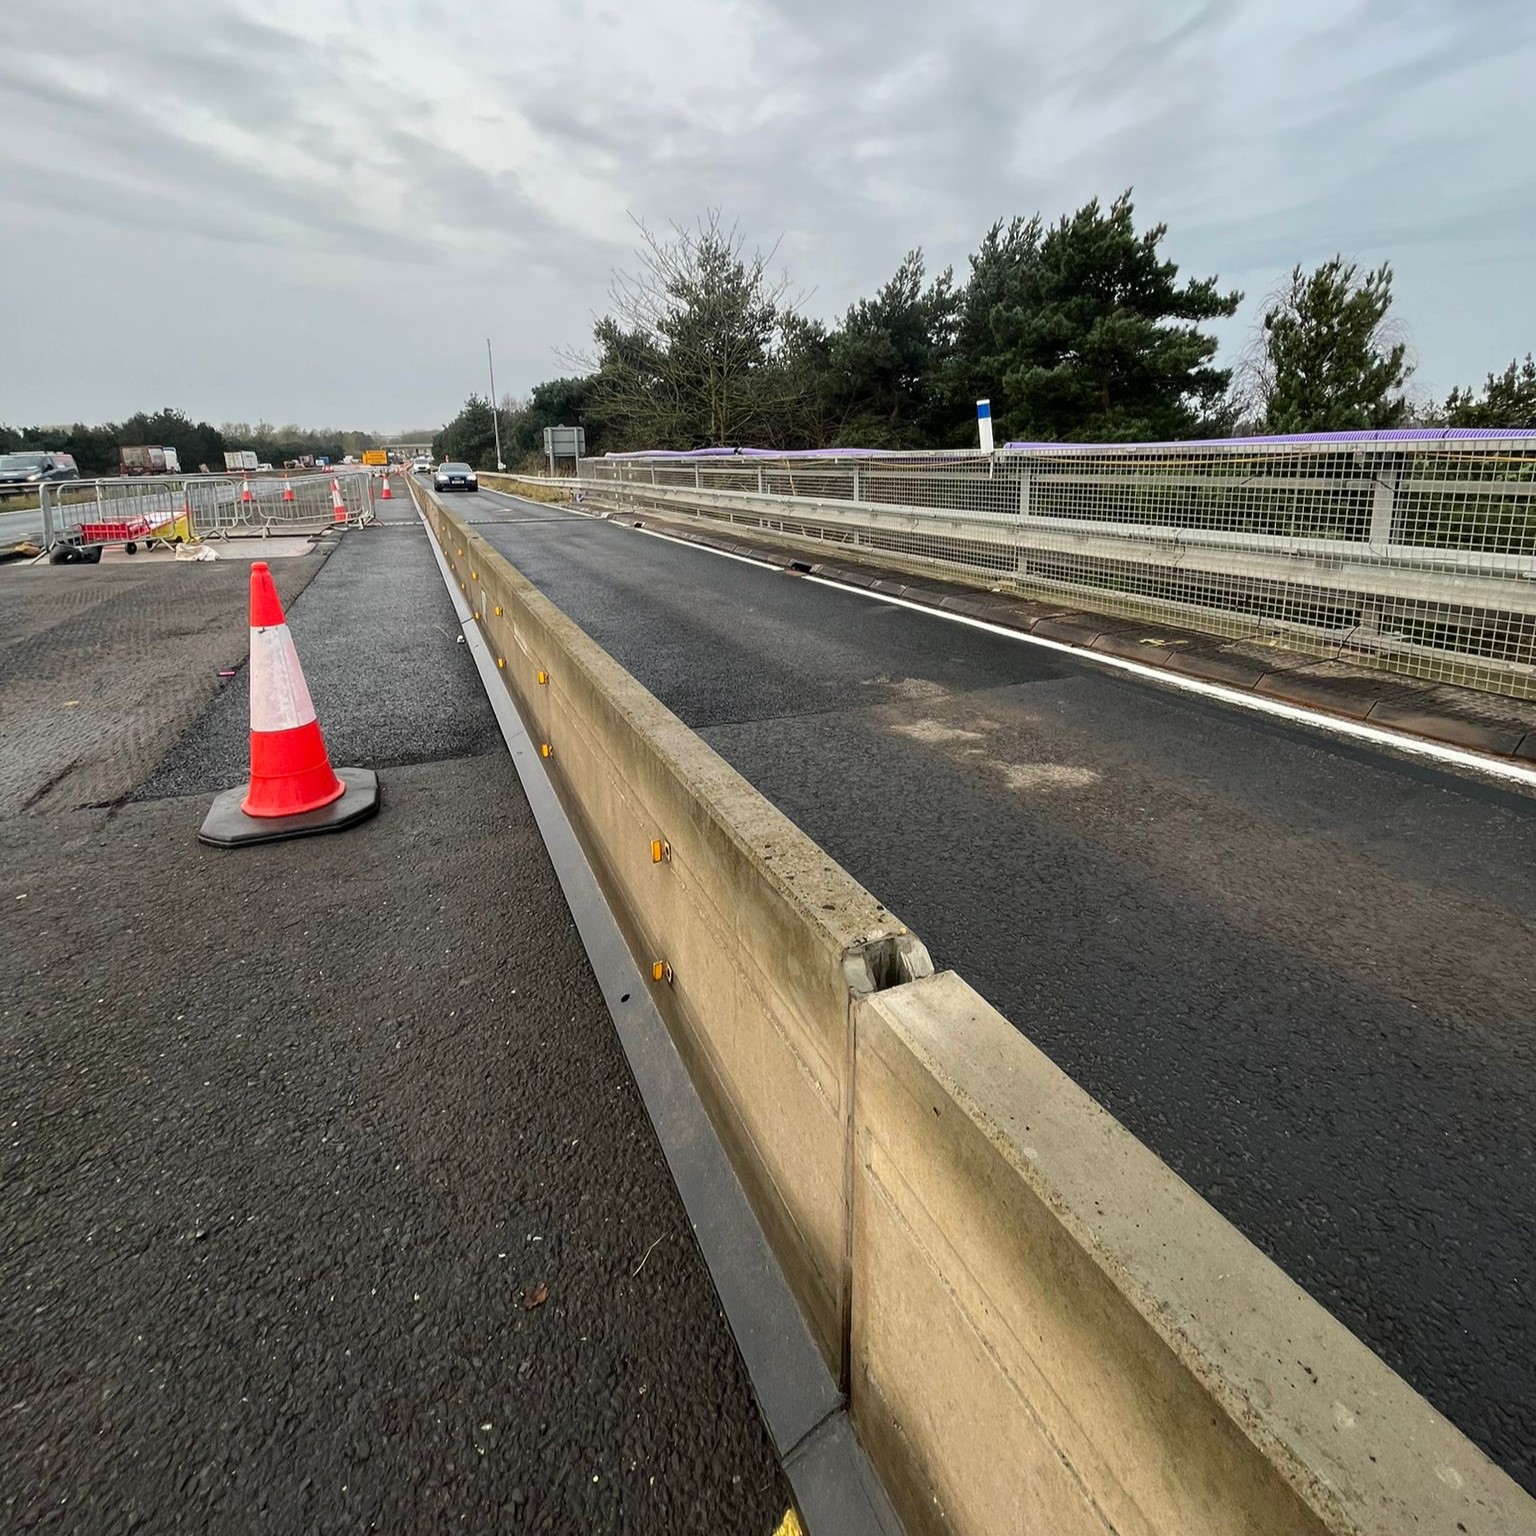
(316, 210)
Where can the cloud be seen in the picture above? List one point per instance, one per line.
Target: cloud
(318, 209)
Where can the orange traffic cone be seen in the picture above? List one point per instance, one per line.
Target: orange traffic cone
(293, 790)
(290, 770)
(245, 489)
(338, 506)
(287, 489)
(387, 495)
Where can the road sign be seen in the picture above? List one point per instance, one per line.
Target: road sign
(565, 442)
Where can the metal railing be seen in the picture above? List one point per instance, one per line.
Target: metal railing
(1411, 552)
(172, 509)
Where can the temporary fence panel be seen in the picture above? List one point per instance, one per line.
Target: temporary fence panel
(260, 507)
(141, 510)
(183, 509)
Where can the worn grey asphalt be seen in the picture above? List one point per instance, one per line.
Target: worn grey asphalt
(1300, 970)
(295, 1136)
(102, 669)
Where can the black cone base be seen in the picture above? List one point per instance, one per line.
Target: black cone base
(227, 826)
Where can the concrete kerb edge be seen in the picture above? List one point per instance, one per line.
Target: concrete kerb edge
(835, 1488)
(1337, 1493)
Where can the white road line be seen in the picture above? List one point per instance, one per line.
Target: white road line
(725, 554)
(1353, 730)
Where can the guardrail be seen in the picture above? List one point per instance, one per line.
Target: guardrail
(1416, 555)
(147, 510)
(1040, 1328)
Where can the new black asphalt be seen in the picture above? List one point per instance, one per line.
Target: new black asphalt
(329, 1203)
(1300, 969)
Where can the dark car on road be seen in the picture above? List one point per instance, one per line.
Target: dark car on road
(25, 471)
(455, 477)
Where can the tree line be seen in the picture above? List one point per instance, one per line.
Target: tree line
(196, 442)
(1079, 330)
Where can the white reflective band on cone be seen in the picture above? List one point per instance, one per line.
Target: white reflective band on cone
(279, 695)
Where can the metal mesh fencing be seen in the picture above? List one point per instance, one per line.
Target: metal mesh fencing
(1414, 556)
(131, 512)
(177, 509)
(219, 514)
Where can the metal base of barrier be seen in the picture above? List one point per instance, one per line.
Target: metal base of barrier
(227, 826)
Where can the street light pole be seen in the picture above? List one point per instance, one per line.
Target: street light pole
(495, 409)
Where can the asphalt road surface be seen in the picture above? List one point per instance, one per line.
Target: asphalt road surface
(18, 523)
(329, 1203)
(1300, 969)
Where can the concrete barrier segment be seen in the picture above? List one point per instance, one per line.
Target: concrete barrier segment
(1053, 1333)
(763, 939)
(836, 1491)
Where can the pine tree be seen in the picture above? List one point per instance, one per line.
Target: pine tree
(1085, 333)
(470, 438)
(1330, 361)
(886, 358)
(1508, 399)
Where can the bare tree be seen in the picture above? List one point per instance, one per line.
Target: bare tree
(690, 351)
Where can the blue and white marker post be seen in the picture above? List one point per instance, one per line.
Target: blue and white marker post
(984, 424)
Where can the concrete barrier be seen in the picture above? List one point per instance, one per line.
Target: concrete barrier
(762, 940)
(1041, 1328)
(1053, 1333)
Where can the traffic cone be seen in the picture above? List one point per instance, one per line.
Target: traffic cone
(338, 506)
(293, 790)
(287, 489)
(245, 490)
(387, 494)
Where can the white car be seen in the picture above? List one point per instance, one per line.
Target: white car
(421, 466)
